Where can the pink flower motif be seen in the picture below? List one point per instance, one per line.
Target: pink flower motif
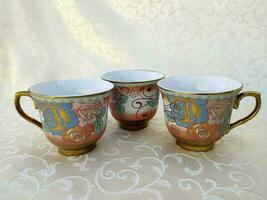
(87, 112)
(217, 109)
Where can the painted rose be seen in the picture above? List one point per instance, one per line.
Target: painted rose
(74, 135)
(187, 112)
(57, 118)
(204, 131)
(217, 109)
(87, 112)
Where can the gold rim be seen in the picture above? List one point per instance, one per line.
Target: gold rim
(133, 82)
(68, 97)
(203, 93)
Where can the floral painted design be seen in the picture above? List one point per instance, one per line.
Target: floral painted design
(99, 123)
(225, 123)
(74, 135)
(87, 112)
(220, 113)
(195, 119)
(58, 117)
(75, 122)
(120, 97)
(134, 93)
(120, 108)
(134, 102)
(187, 112)
(217, 109)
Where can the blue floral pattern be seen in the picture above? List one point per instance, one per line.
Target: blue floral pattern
(57, 118)
(187, 112)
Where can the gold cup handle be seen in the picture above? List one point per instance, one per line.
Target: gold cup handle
(254, 112)
(18, 96)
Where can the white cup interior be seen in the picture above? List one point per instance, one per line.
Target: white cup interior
(132, 76)
(199, 84)
(70, 88)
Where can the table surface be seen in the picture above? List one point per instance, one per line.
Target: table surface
(143, 164)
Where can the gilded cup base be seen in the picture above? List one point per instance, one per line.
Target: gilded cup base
(197, 148)
(76, 152)
(133, 125)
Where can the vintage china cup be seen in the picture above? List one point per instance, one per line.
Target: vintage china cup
(134, 100)
(73, 112)
(198, 108)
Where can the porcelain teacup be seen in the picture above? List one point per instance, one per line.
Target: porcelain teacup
(134, 99)
(73, 112)
(198, 108)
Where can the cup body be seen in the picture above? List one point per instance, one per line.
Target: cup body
(133, 105)
(73, 124)
(198, 109)
(197, 120)
(134, 99)
(76, 120)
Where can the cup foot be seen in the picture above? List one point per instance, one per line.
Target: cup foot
(76, 152)
(133, 125)
(190, 147)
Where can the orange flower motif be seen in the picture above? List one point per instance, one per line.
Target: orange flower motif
(74, 135)
(204, 130)
(78, 134)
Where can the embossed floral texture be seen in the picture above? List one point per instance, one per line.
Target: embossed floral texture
(77, 122)
(218, 108)
(78, 134)
(58, 117)
(199, 132)
(189, 111)
(87, 112)
(198, 119)
(119, 98)
(134, 102)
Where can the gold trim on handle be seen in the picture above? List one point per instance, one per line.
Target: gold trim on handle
(254, 112)
(18, 96)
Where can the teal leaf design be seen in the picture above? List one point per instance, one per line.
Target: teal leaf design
(123, 99)
(169, 116)
(152, 103)
(120, 109)
(102, 113)
(98, 124)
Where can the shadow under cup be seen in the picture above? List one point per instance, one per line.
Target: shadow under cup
(134, 99)
(73, 112)
(198, 108)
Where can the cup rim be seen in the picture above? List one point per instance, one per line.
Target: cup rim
(200, 93)
(130, 70)
(40, 95)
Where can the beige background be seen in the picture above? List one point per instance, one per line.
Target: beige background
(43, 40)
